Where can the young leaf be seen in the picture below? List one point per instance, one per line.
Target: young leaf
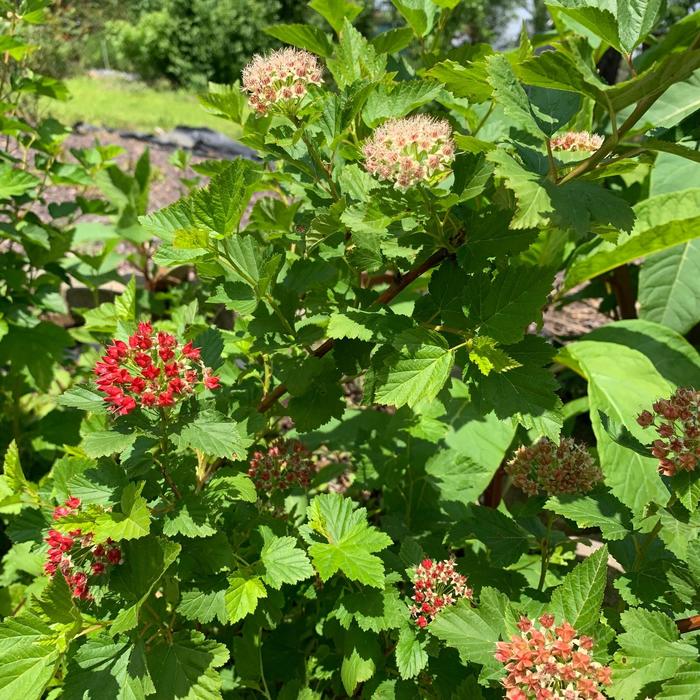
(350, 542)
(203, 605)
(214, 435)
(417, 371)
(84, 398)
(102, 443)
(336, 11)
(241, 597)
(284, 562)
(411, 656)
(578, 599)
(130, 522)
(355, 58)
(304, 36)
(419, 14)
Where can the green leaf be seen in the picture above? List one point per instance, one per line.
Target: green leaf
(405, 97)
(355, 58)
(504, 538)
(503, 307)
(28, 657)
(663, 221)
(669, 286)
(678, 102)
(203, 605)
(601, 510)
(525, 393)
(284, 562)
(350, 542)
(215, 436)
(84, 398)
(132, 521)
(636, 19)
(227, 487)
(598, 20)
(417, 371)
(336, 11)
(220, 205)
(13, 472)
(15, 182)
(552, 109)
(650, 652)
(304, 36)
(622, 382)
(419, 14)
(145, 562)
(684, 685)
(393, 40)
(102, 443)
(488, 357)
(533, 202)
(467, 630)
(359, 653)
(242, 596)
(470, 81)
(184, 667)
(411, 657)
(510, 95)
(105, 667)
(373, 610)
(190, 518)
(579, 597)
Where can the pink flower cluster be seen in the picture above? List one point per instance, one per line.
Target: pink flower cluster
(152, 369)
(280, 77)
(566, 468)
(545, 662)
(411, 150)
(677, 422)
(437, 585)
(286, 463)
(576, 141)
(76, 556)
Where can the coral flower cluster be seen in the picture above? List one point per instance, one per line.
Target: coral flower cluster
(566, 468)
(152, 369)
(437, 585)
(576, 141)
(76, 556)
(280, 78)
(409, 151)
(677, 423)
(548, 662)
(285, 464)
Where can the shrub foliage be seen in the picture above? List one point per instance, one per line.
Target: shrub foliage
(320, 444)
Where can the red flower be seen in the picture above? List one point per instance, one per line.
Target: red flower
(190, 352)
(437, 586)
(211, 382)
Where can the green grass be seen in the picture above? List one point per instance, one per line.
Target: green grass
(126, 105)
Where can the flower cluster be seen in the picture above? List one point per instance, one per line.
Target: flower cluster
(576, 141)
(152, 369)
(437, 585)
(409, 151)
(280, 77)
(566, 468)
(677, 422)
(76, 556)
(545, 662)
(286, 463)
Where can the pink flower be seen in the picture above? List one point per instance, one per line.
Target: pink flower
(576, 141)
(280, 78)
(437, 585)
(410, 150)
(550, 662)
(566, 468)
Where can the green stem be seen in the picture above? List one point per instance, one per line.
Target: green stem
(544, 565)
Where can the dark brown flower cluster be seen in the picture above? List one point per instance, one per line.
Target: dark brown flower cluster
(545, 662)
(677, 423)
(566, 468)
(76, 556)
(285, 464)
(152, 369)
(437, 586)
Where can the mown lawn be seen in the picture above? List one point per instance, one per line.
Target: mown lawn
(132, 105)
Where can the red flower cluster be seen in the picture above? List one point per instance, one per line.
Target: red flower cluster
(546, 662)
(677, 422)
(556, 469)
(75, 555)
(152, 369)
(285, 464)
(437, 585)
